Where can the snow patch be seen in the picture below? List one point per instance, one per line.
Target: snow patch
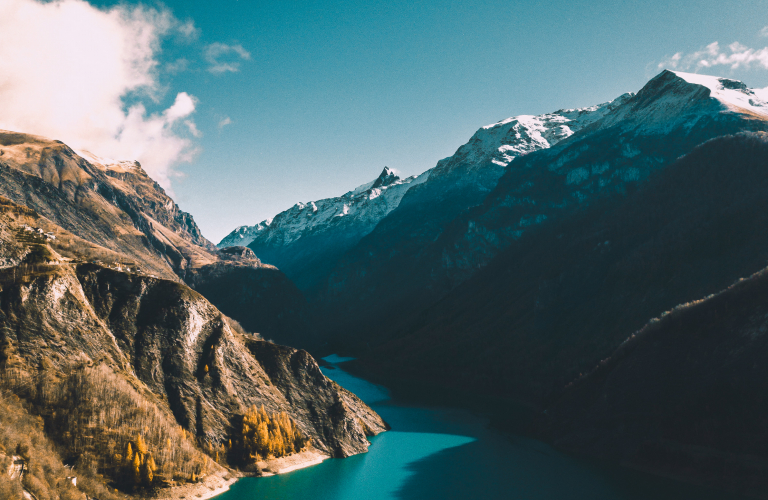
(733, 93)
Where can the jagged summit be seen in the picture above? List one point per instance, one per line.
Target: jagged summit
(387, 177)
(366, 204)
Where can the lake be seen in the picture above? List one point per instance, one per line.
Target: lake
(440, 453)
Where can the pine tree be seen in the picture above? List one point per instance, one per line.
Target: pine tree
(148, 471)
(141, 446)
(136, 469)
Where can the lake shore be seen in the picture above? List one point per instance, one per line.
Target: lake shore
(220, 482)
(306, 458)
(210, 486)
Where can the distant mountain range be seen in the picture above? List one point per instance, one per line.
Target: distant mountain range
(317, 232)
(307, 240)
(533, 253)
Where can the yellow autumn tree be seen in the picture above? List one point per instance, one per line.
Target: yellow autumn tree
(136, 469)
(141, 445)
(265, 435)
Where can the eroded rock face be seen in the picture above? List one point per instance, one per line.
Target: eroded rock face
(259, 296)
(182, 348)
(117, 206)
(57, 309)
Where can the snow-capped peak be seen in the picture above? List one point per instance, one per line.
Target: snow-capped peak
(364, 206)
(732, 93)
(501, 142)
(674, 99)
(387, 177)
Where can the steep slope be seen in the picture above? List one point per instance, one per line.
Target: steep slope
(111, 204)
(562, 297)
(116, 205)
(176, 349)
(641, 135)
(306, 240)
(684, 396)
(673, 113)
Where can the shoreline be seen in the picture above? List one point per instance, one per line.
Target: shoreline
(211, 486)
(291, 463)
(220, 482)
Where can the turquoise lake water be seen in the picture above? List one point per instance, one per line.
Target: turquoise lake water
(433, 453)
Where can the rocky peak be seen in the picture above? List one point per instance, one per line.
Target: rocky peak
(238, 251)
(387, 177)
(673, 99)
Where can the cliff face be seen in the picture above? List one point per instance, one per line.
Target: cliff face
(167, 338)
(115, 205)
(260, 296)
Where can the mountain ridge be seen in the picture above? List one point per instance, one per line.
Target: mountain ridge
(606, 158)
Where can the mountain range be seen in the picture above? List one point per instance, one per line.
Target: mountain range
(529, 256)
(595, 277)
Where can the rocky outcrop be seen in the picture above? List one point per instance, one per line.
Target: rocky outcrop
(188, 357)
(116, 206)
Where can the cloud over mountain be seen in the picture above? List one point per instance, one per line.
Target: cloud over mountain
(82, 75)
(734, 56)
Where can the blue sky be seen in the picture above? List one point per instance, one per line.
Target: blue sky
(314, 98)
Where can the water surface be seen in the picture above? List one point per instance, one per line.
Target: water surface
(438, 453)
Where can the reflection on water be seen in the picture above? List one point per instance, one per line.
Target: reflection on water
(452, 454)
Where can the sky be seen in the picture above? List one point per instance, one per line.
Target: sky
(242, 108)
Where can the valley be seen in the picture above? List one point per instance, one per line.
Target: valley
(571, 305)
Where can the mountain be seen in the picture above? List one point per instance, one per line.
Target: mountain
(405, 267)
(109, 203)
(305, 241)
(565, 295)
(116, 205)
(109, 353)
(684, 396)
(324, 245)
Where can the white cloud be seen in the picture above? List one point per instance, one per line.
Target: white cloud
(735, 56)
(224, 122)
(193, 128)
(67, 66)
(223, 58)
(178, 66)
(764, 31)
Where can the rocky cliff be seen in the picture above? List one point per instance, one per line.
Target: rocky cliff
(115, 205)
(95, 312)
(177, 344)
